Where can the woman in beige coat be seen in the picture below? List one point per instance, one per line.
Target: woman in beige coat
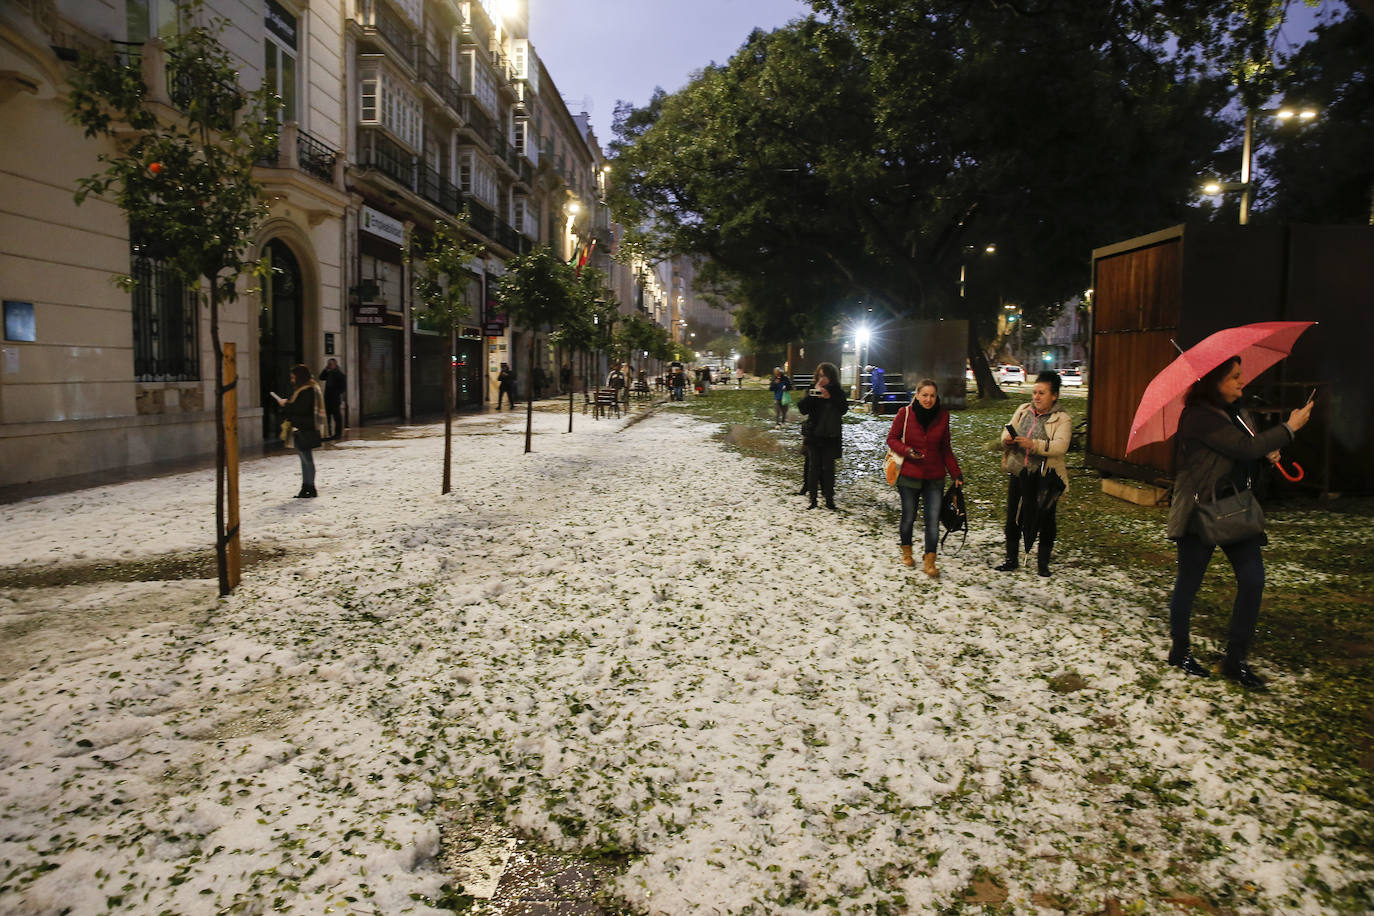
(1043, 431)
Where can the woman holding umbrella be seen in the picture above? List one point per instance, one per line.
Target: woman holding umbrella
(1031, 457)
(1217, 445)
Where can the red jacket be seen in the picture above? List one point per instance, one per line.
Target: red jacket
(932, 444)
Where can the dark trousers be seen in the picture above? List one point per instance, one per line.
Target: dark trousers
(820, 470)
(508, 393)
(1248, 564)
(931, 493)
(1049, 526)
(307, 468)
(333, 416)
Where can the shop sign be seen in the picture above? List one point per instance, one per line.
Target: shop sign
(495, 328)
(281, 23)
(369, 314)
(469, 333)
(379, 224)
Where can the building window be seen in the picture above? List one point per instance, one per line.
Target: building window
(146, 19)
(465, 173)
(279, 47)
(166, 348)
(369, 107)
(386, 101)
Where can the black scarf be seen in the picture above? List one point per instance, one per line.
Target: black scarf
(926, 417)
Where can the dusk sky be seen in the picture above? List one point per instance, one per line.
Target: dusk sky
(604, 50)
(601, 51)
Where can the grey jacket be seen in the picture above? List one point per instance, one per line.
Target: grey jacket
(1207, 447)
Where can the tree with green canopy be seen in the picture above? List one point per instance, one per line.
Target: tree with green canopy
(536, 291)
(442, 266)
(580, 329)
(184, 178)
(872, 156)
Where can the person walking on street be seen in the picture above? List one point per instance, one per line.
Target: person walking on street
(1043, 432)
(505, 386)
(299, 410)
(877, 381)
(335, 383)
(1216, 444)
(920, 434)
(678, 381)
(780, 386)
(824, 407)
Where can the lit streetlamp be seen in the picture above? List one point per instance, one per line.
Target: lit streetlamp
(1287, 114)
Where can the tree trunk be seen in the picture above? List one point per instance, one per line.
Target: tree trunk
(221, 456)
(448, 416)
(572, 387)
(982, 372)
(529, 397)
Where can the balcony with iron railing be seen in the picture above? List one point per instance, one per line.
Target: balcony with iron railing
(477, 32)
(440, 191)
(478, 121)
(377, 18)
(377, 151)
(435, 75)
(180, 83)
(312, 155)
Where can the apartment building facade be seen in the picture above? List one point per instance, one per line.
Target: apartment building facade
(398, 116)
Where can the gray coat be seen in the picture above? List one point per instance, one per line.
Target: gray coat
(1208, 445)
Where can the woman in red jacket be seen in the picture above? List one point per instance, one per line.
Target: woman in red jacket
(920, 434)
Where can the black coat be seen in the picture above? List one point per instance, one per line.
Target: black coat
(333, 380)
(300, 410)
(824, 418)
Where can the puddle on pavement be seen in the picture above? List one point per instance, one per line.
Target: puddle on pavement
(167, 567)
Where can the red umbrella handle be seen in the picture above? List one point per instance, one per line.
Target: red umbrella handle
(1293, 477)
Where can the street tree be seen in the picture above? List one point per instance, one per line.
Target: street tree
(579, 331)
(184, 178)
(869, 157)
(442, 266)
(537, 292)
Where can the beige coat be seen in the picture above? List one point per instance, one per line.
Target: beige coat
(1051, 442)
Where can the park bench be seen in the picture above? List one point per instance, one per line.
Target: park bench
(640, 390)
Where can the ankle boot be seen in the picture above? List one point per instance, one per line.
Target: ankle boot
(1234, 668)
(907, 559)
(1181, 657)
(930, 569)
(1013, 553)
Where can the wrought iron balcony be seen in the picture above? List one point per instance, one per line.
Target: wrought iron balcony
(377, 16)
(378, 152)
(312, 156)
(440, 192)
(433, 72)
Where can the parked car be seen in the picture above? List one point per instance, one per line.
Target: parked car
(1071, 378)
(1011, 375)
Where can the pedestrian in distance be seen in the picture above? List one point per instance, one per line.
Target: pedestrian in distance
(505, 386)
(1216, 444)
(739, 378)
(781, 386)
(679, 383)
(299, 410)
(920, 434)
(335, 383)
(877, 383)
(1043, 430)
(824, 407)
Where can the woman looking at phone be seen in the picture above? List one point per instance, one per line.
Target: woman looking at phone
(1038, 432)
(920, 434)
(824, 407)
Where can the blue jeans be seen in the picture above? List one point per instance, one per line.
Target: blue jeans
(307, 468)
(931, 493)
(1248, 564)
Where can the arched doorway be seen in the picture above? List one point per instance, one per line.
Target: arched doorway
(281, 333)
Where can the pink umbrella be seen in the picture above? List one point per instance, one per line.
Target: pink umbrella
(1259, 346)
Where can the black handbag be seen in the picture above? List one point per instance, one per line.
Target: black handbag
(954, 514)
(307, 438)
(1227, 519)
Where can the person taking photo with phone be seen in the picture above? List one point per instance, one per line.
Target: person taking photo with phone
(1216, 444)
(920, 434)
(824, 407)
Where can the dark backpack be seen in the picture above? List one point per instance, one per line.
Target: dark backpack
(617, 380)
(954, 513)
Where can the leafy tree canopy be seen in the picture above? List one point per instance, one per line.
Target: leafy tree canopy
(871, 156)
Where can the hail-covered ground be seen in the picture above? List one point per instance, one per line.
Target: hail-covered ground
(627, 640)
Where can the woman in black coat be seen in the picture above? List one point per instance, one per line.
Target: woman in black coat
(821, 432)
(1215, 443)
(300, 410)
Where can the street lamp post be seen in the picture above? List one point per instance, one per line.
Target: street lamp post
(1245, 186)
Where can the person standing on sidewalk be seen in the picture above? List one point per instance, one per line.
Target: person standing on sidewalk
(920, 434)
(1215, 443)
(824, 407)
(505, 386)
(1043, 432)
(335, 383)
(300, 410)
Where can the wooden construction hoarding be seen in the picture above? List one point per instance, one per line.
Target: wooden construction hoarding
(1183, 283)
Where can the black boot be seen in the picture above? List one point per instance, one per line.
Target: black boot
(1013, 556)
(1181, 657)
(311, 492)
(1234, 668)
(302, 494)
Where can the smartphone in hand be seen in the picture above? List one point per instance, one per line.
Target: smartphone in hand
(1011, 430)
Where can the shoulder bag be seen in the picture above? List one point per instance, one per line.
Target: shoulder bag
(892, 464)
(1229, 519)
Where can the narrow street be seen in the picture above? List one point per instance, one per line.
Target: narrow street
(629, 645)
